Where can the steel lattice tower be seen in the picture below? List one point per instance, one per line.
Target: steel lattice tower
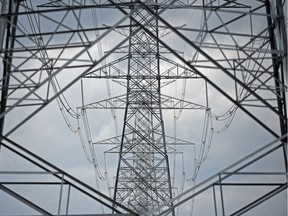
(238, 48)
(143, 179)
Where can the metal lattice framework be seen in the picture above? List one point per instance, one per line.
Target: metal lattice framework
(238, 48)
(143, 179)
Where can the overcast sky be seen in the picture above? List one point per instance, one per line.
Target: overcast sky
(48, 136)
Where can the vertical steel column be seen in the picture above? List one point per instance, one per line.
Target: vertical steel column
(143, 177)
(279, 64)
(68, 200)
(4, 10)
(278, 60)
(8, 30)
(60, 195)
(221, 195)
(215, 200)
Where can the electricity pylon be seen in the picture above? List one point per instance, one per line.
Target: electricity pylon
(42, 41)
(143, 178)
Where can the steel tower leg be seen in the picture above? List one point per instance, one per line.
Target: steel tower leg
(8, 37)
(143, 178)
(279, 61)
